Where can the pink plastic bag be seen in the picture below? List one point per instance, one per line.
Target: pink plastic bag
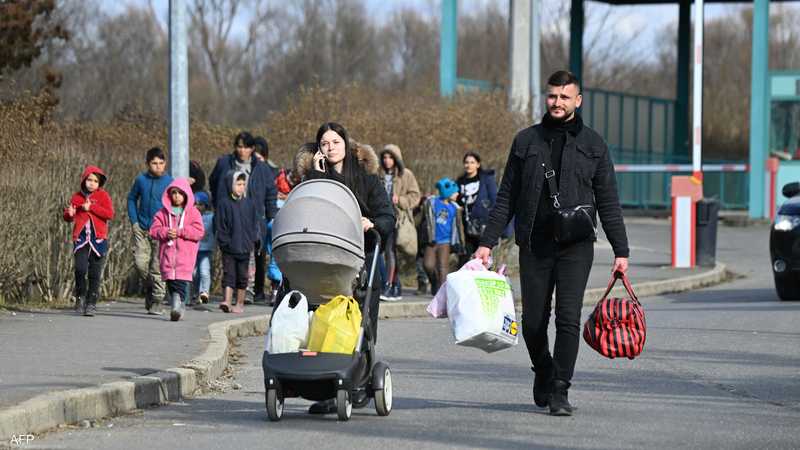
(438, 306)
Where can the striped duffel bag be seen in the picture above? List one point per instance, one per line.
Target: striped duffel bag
(616, 327)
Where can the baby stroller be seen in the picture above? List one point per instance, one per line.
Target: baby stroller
(318, 243)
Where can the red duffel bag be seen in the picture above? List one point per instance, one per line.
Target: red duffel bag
(616, 327)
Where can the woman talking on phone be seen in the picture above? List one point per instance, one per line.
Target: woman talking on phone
(355, 166)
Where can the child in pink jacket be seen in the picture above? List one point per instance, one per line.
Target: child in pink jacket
(178, 227)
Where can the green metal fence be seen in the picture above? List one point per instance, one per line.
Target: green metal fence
(639, 130)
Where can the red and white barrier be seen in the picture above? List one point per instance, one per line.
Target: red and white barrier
(771, 190)
(622, 168)
(686, 191)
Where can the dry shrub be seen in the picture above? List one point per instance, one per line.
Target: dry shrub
(42, 162)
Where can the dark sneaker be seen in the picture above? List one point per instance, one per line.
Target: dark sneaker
(80, 305)
(90, 310)
(386, 294)
(260, 298)
(422, 288)
(323, 407)
(397, 293)
(559, 404)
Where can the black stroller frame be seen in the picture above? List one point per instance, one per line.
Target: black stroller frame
(322, 376)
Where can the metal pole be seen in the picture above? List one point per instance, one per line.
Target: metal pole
(759, 112)
(536, 64)
(576, 39)
(519, 94)
(697, 93)
(178, 90)
(448, 48)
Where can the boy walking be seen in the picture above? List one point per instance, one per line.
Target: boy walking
(445, 232)
(237, 231)
(144, 200)
(202, 267)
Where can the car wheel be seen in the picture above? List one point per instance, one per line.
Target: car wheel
(787, 288)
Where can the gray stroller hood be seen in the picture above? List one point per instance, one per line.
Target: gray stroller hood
(318, 240)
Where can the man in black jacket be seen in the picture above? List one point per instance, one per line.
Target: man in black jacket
(583, 174)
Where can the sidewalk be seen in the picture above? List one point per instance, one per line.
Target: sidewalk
(51, 351)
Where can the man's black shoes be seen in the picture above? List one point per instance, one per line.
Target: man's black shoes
(559, 405)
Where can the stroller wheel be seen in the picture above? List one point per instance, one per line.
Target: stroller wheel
(383, 397)
(274, 405)
(344, 408)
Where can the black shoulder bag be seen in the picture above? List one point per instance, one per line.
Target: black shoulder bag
(574, 223)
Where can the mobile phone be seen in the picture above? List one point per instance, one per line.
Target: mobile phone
(322, 161)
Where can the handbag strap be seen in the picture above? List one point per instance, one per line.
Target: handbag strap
(625, 281)
(550, 177)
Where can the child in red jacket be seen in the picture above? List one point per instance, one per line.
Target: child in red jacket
(90, 209)
(178, 227)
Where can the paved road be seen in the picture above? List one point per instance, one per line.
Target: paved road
(720, 370)
(56, 350)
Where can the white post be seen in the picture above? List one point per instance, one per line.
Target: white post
(697, 92)
(536, 65)
(178, 90)
(519, 94)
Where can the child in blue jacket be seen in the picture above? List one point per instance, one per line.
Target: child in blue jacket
(144, 201)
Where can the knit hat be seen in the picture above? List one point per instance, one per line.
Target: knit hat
(446, 187)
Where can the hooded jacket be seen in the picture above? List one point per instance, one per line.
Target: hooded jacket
(260, 185)
(177, 256)
(100, 211)
(236, 224)
(144, 198)
(404, 183)
(374, 205)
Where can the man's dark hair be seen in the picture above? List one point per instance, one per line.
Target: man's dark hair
(243, 138)
(261, 145)
(154, 153)
(563, 78)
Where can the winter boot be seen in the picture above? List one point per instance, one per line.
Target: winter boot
(542, 386)
(152, 306)
(559, 404)
(177, 308)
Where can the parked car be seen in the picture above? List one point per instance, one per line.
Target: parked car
(784, 245)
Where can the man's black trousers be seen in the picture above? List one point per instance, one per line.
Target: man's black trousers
(567, 269)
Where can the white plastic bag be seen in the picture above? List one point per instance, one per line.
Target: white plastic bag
(288, 331)
(438, 306)
(480, 305)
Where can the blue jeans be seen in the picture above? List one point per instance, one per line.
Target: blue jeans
(202, 272)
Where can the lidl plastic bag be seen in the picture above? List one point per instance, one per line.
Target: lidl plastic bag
(335, 326)
(438, 306)
(480, 305)
(288, 331)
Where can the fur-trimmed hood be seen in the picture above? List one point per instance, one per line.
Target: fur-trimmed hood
(394, 150)
(365, 154)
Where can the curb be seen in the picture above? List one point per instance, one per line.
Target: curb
(48, 411)
(648, 289)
